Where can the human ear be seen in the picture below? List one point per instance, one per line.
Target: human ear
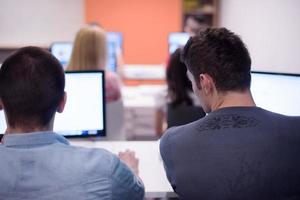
(62, 103)
(206, 83)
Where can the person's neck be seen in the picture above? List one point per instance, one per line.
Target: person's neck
(233, 99)
(21, 129)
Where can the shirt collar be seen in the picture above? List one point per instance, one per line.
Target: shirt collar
(30, 139)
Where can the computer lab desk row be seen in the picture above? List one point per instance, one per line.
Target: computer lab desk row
(151, 168)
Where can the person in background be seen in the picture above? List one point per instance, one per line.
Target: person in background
(238, 150)
(118, 53)
(194, 24)
(90, 53)
(181, 105)
(37, 163)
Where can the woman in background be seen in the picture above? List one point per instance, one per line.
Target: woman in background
(90, 53)
(182, 106)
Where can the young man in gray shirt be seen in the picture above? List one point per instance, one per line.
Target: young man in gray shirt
(238, 151)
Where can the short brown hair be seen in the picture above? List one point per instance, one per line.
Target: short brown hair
(32, 84)
(221, 54)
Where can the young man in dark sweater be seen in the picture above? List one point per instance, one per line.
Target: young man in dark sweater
(238, 151)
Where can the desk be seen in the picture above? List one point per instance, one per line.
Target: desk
(151, 168)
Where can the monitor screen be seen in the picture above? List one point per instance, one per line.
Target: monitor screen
(177, 40)
(278, 93)
(84, 112)
(114, 45)
(63, 50)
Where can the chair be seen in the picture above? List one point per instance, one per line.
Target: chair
(115, 120)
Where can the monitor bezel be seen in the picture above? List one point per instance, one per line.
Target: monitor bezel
(275, 73)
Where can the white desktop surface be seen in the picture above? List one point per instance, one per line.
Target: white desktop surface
(151, 168)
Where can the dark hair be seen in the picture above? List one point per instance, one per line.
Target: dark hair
(179, 85)
(220, 54)
(32, 84)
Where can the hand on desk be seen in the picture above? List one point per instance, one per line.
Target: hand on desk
(129, 158)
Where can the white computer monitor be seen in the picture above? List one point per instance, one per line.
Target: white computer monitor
(276, 92)
(84, 113)
(63, 50)
(177, 40)
(114, 46)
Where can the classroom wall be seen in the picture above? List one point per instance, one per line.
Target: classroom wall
(145, 25)
(39, 22)
(270, 28)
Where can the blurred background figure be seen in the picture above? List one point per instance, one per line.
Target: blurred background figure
(117, 52)
(90, 53)
(181, 105)
(194, 23)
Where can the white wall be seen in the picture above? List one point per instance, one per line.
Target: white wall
(270, 28)
(39, 22)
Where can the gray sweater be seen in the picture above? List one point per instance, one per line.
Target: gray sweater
(234, 153)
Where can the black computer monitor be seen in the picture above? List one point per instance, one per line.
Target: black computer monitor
(177, 40)
(84, 113)
(62, 50)
(277, 92)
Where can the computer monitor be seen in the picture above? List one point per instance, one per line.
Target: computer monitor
(177, 40)
(277, 92)
(114, 46)
(63, 50)
(84, 113)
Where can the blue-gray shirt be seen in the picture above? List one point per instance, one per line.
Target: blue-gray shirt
(235, 153)
(44, 166)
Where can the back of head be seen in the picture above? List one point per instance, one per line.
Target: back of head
(31, 86)
(179, 85)
(222, 55)
(89, 50)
